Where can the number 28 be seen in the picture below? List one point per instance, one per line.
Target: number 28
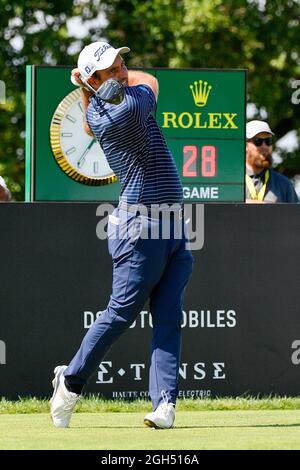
(208, 161)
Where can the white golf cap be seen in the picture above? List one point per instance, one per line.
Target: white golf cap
(98, 56)
(2, 183)
(255, 127)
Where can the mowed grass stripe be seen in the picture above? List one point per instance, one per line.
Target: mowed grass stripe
(195, 430)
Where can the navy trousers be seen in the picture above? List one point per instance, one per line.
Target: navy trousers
(144, 266)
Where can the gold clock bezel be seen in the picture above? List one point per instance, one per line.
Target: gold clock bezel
(58, 153)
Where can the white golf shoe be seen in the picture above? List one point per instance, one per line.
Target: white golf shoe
(62, 402)
(162, 418)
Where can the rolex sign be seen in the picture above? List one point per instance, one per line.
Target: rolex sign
(201, 113)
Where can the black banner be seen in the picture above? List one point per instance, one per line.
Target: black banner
(241, 322)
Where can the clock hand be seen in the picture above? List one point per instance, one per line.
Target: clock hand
(82, 158)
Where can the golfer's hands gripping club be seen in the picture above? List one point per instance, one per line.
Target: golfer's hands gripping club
(111, 91)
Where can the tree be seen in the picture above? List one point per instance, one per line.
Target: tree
(31, 32)
(262, 37)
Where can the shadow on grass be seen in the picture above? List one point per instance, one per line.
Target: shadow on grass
(242, 426)
(179, 428)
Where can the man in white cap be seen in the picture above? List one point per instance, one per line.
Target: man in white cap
(263, 184)
(144, 267)
(4, 191)
(98, 62)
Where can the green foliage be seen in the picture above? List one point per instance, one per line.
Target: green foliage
(262, 37)
(222, 34)
(31, 32)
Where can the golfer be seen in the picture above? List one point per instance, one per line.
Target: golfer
(144, 267)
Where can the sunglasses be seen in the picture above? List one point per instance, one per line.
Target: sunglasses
(258, 141)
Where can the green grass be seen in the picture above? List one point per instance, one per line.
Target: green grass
(235, 429)
(94, 404)
(225, 423)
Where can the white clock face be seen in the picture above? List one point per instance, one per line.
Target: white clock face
(78, 154)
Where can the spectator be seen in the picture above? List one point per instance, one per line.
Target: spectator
(263, 184)
(4, 191)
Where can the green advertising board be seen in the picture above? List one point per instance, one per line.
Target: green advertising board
(200, 111)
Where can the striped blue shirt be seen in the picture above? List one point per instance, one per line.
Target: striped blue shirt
(135, 147)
